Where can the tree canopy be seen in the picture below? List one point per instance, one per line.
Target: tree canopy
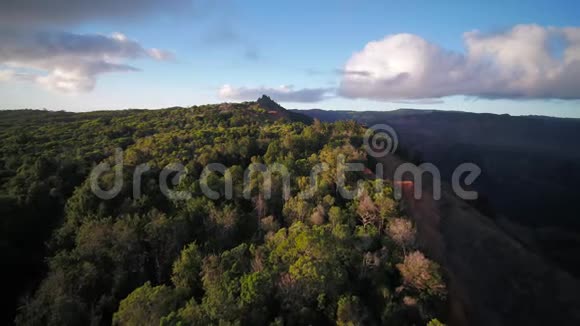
(151, 259)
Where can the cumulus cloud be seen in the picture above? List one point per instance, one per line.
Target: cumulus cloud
(526, 61)
(284, 93)
(33, 48)
(69, 62)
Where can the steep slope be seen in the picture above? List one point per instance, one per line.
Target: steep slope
(530, 168)
(493, 279)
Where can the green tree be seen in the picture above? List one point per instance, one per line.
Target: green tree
(187, 269)
(146, 306)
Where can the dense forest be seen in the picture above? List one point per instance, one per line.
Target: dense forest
(76, 259)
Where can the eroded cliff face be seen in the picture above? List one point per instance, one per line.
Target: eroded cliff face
(492, 278)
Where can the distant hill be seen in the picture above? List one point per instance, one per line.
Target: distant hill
(530, 167)
(535, 133)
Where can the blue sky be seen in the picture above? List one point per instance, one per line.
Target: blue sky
(256, 46)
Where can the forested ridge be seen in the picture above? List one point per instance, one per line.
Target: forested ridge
(76, 259)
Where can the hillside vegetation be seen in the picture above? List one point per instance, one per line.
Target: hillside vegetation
(530, 168)
(76, 259)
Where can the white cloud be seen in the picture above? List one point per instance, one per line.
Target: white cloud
(527, 61)
(79, 77)
(284, 93)
(69, 62)
(32, 48)
(160, 55)
(6, 74)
